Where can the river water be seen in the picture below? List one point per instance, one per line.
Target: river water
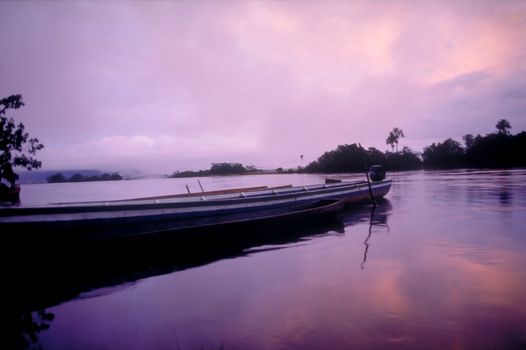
(441, 263)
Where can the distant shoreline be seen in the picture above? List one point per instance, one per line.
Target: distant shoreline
(77, 177)
(286, 173)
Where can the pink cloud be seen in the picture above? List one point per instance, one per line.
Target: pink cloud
(274, 79)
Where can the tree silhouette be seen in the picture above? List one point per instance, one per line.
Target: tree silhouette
(468, 140)
(227, 169)
(447, 154)
(350, 158)
(503, 126)
(12, 142)
(393, 138)
(58, 177)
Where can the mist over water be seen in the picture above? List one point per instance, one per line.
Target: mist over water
(438, 264)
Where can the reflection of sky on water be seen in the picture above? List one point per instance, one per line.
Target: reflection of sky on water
(445, 269)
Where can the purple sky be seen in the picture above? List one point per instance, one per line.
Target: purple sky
(170, 86)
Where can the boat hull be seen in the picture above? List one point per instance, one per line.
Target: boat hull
(124, 219)
(91, 231)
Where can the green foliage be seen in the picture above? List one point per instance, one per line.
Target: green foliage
(16, 148)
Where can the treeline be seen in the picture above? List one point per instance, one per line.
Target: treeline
(353, 158)
(217, 169)
(500, 150)
(59, 177)
(495, 150)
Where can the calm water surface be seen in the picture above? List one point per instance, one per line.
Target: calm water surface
(440, 264)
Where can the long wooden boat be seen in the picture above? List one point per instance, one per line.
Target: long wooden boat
(125, 218)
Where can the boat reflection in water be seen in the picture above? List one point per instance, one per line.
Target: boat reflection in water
(375, 216)
(45, 278)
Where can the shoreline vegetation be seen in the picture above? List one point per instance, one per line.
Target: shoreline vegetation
(60, 178)
(494, 150)
(217, 169)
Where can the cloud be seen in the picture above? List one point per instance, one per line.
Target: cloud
(274, 79)
(141, 151)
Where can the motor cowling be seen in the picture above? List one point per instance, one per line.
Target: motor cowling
(376, 173)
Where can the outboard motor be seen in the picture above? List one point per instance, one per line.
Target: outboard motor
(376, 173)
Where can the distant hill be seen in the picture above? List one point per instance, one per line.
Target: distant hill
(40, 176)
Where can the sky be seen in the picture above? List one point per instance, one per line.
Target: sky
(160, 86)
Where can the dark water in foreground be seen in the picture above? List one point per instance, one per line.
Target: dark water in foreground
(440, 264)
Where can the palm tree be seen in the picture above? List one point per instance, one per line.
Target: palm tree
(393, 138)
(503, 125)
